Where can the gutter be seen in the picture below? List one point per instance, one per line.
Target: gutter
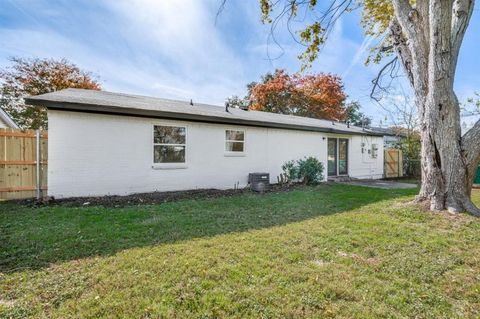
(6, 117)
(114, 110)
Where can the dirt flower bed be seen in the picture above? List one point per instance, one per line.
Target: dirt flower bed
(153, 197)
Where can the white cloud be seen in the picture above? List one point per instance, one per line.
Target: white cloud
(179, 42)
(172, 48)
(169, 48)
(360, 55)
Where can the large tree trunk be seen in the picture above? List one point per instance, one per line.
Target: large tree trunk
(427, 40)
(446, 181)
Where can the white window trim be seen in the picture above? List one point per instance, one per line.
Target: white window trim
(233, 153)
(169, 165)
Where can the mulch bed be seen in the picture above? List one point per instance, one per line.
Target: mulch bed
(151, 198)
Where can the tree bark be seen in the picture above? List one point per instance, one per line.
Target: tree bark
(427, 39)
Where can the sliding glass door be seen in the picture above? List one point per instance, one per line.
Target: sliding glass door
(332, 157)
(337, 156)
(342, 156)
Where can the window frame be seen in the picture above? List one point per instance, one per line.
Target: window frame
(234, 153)
(171, 165)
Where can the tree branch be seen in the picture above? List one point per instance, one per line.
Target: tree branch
(377, 85)
(221, 7)
(414, 52)
(402, 50)
(462, 12)
(404, 13)
(423, 10)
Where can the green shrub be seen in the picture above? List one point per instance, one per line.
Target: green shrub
(290, 171)
(308, 170)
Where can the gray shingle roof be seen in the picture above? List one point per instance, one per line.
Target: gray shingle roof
(388, 131)
(135, 105)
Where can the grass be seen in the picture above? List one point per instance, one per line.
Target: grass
(327, 251)
(476, 196)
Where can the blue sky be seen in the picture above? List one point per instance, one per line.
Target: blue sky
(176, 49)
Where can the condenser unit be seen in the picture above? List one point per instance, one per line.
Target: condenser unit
(259, 182)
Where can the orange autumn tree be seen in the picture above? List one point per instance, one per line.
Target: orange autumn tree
(38, 76)
(318, 96)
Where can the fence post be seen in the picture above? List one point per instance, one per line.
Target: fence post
(38, 163)
(398, 163)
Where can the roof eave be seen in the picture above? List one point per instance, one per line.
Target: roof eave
(7, 119)
(112, 110)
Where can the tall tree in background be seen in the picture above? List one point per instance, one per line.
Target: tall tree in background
(38, 76)
(355, 117)
(317, 96)
(425, 38)
(245, 102)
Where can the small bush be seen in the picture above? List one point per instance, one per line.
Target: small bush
(308, 170)
(290, 171)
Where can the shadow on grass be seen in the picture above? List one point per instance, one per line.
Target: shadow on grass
(35, 237)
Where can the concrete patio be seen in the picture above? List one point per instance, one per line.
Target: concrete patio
(384, 184)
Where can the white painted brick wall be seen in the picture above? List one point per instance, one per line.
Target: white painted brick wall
(93, 155)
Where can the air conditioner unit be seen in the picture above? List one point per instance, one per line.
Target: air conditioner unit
(259, 182)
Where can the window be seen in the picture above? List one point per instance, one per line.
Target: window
(169, 144)
(234, 141)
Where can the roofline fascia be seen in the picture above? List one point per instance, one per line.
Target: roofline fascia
(112, 110)
(7, 118)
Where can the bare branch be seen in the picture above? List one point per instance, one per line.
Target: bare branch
(402, 49)
(402, 112)
(221, 7)
(288, 11)
(387, 69)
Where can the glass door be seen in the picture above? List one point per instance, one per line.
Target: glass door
(342, 156)
(332, 157)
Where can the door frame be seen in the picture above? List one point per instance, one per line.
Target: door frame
(337, 153)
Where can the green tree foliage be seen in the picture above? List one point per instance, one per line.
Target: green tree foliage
(376, 17)
(355, 117)
(410, 145)
(245, 102)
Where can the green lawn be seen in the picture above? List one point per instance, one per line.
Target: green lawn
(327, 251)
(476, 196)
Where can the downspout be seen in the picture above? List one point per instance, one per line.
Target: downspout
(38, 191)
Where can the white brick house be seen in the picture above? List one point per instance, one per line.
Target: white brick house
(103, 143)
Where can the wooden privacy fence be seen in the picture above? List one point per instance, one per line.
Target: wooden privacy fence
(393, 163)
(18, 163)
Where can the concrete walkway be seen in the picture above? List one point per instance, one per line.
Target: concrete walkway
(376, 183)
